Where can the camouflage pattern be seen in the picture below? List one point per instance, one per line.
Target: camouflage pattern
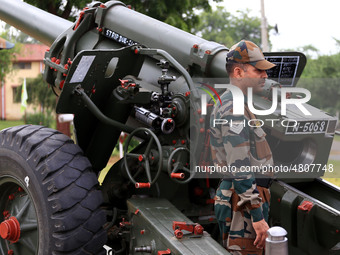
(239, 201)
(248, 52)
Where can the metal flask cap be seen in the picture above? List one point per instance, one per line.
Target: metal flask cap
(276, 234)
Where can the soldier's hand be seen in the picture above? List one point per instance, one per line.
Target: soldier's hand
(260, 228)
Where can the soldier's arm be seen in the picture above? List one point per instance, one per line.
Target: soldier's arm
(260, 228)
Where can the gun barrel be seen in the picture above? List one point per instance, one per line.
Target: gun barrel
(121, 20)
(33, 21)
(156, 34)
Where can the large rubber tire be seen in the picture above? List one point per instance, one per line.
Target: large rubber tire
(51, 186)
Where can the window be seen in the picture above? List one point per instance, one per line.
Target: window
(22, 65)
(16, 94)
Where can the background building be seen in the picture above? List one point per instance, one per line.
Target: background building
(28, 64)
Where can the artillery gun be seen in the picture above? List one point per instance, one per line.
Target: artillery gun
(118, 70)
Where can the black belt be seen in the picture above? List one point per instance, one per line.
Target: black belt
(263, 182)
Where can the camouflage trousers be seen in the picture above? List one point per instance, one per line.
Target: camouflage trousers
(237, 232)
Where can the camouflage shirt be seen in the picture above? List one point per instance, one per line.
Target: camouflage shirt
(230, 146)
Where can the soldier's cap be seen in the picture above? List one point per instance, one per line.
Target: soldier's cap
(247, 52)
(5, 44)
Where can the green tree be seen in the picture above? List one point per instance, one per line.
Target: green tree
(309, 50)
(18, 36)
(337, 41)
(223, 27)
(66, 9)
(6, 57)
(215, 26)
(178, 13)
(38, 94)
(321, 77)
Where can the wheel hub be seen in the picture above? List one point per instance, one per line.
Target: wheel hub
(10, 230)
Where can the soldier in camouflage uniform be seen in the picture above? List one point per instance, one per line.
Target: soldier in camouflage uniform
(242, 201)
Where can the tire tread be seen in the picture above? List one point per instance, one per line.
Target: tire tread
(69, 185)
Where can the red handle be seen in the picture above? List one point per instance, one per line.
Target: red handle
(142, 185)
(177, 175)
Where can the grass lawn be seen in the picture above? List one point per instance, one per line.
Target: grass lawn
(10, 123)
(337, 138)
(333, 177)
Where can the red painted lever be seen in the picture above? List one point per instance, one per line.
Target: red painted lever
(141, 185)
(177, 175)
